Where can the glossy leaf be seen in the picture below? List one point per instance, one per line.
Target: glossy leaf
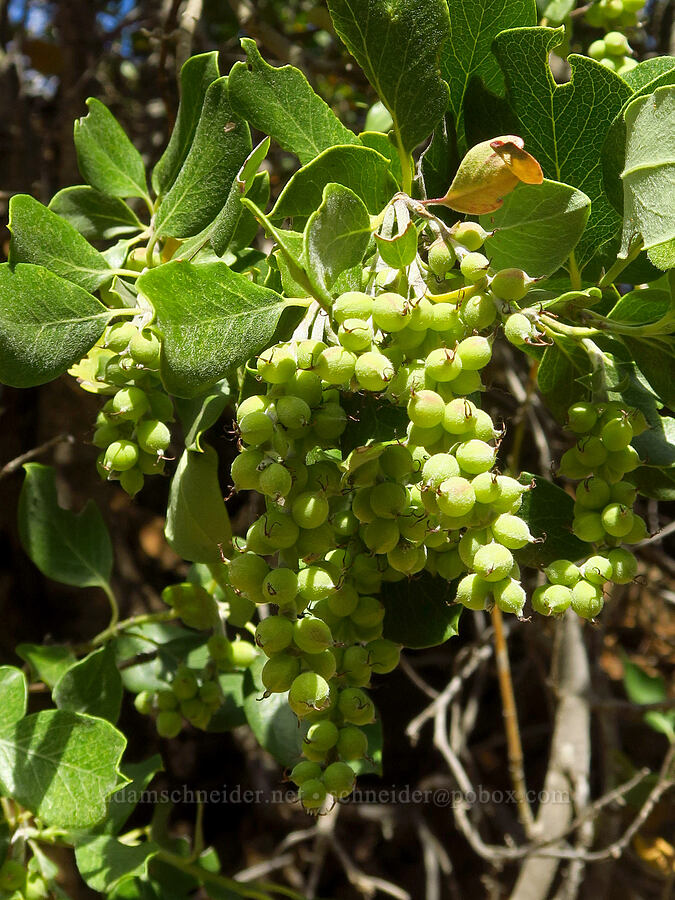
(62, 766)
(386, 147)
(336, 235)
(657, 368)
(95, 215)
(196, 74)
(397, 45)
(41, 237)
(280, 102)
(221, 144)
(440, 160)
(231, 319)
(202, 413)
(124, 801)
(364, 171)
(104, 862)
(420, 612)
(548, 510)
(648, 176)
(106, 157)
(564, 126)
(73, 548)
(399, 250)
(93, 686)
(197, 523)
(467, 54)
(13, 695)
(46, 324)
(272, 721)
(641, 307)
(47, 662)
(537, 227)
(656, 446)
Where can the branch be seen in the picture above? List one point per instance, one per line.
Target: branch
(15, 464)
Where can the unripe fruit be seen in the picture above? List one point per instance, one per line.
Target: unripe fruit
(591, 452)
(294, 412)
(254, 403)
(120, 456)
(329, 422)
(486, 487)
(593, 493)
(356, 706)
(470, 543)
(438, 468)
(387, 499)
(518, 329)
(144, 702)
(616, 434)
(373, 371)
(426, 409)
(449, 565)
(104, 435)
(421, 316)
(472, 592)
(509, 596)
(310, 510)
(336, 365)
(277, 364)
(166, 700)
(279, 673)
(309, 693)
(383, 655)
(132, 481)
(185, 684)
(210, 694)
(510, 493)
(153, 436)
(312, 635)
(470, 235)
(456, 496)
(571, 466)
(587, 599)
(510, 284)
(624, 565)
(255, 428)
(493, 562)
(130, 403)
(597, 570)
(303, 771)
(564, 572)
(339, 779)
(624, 493)
(396, 462)
(552, 600)
(355, 335)
(145, 348)
(312, 794)
(308, 353)
(381, 536)
(617, 520)
(324, 663)
(459, 416)
(405, 558)
(322, 735)
(588, 526)
(315, 584)
(615, 44)
(443, 364)
(275, 481)
(352, 305)
(274, 634)
(511, 531)
(344, 601)
(475, 456)
(475, 352)
(478, 311)
(474, 266)
(242, 653)
(355, 666)
(257, 538)
(597, 50)
(118, 336)
(441, 258)
(168, 723)
(245, 472)
(368, 613)
(390, 312)
(581, 417)
(246, 573)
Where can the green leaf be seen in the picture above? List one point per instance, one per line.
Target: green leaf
(657, 367)
(105, 862)
(386, 147)
(202, 413)
(271, 720)
(420, 612)
(654, 483)
(641, 307)
(440, 160)
(290, 255)
(231, 319)
(648, 175)
(46, 324)
(548, 510)
(124, 801)
(371, 420)
(47, 662)
(467, 54)
(167, 645)
(197, 523)
(564, 126)
(537, 227)
(397, 45)
(93, 686)
(231, 714)
(280, 102)
(96, 216)
(561, 365)
(336, 235)
(644, 688)
(62, 766)
(649, 71)
(558, 10)
(221, 144)
(73, 548)
(13, 695)
(196, 74)
(656, 446)
(106, 157)
(364, 171)
(41, 237)
(400, 250)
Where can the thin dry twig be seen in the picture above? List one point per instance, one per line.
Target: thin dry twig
(16, 463)
(367, 884)
(417, 680)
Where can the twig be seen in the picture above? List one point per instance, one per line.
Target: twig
(419, 682)
(368, 884)
(15, 464)
(262, 869)
(510, 715)
(324, 835)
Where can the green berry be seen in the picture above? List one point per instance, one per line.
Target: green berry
(597, 50)
(591, 452)
(153, 436)
(118, 336)
(339, 779)
(459, 416)
(185, 684)
(277, 364)
(456, 496)
(615, 44)
(280, 672)
(368, 613)
(356, 706)
(355, 335)
(597, 570)
(509, 596)
(552, 600)
(243, 654)
(280, 586)
(475, 456)
(312, 635)
(390, 312)
(381, 536)
(315, 584)
(581, 417)
(308, 693)
(587, 599)
(616, 434)
(246, 572)
(588, 526)
(168, 723)
(275, 481)
(274, 634)
(511, 531)
(473, 592)
(518, 329)
(373, 371)
(312, 794)
(510, 284)
(493, 562)
(383, 655)
(593, 493)
(352, 305)
(120, 456)
(564, 572)
(322, 735)
(474, 267)
(145, 348)
(441, 258)
(310, 510)
(329, 422)
(352, 743)
(624, 565)
(255, 428)
(303, 771)
(132, 481)
(617, 520)
(475, 352)
(144, 702)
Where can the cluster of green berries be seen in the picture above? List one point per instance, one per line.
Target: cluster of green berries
(603, 510)
(192, 695)
(131, 430)
(614, 52)
(614, 14)
(22, 882)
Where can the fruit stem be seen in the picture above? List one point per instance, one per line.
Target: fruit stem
(619, 265)
(510, 715)
(165, 615)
